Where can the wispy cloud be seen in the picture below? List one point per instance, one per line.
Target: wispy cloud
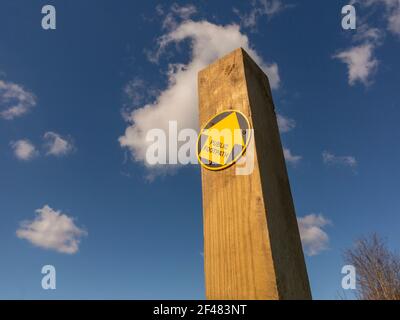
(24, 150)
(136, 93)
(134, 90)
(175, 13)
(313, 237)
(291, 158)
(369, 34)
(285, 124)
(15, 101)
(179, 100)
(332, 159)
(259, 8)
(52, 230)
(392, 12)
(56, 145)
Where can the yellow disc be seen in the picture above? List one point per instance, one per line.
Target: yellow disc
(223, 140)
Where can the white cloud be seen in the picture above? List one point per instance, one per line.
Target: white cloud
(361, 63)
(260, 8)
(313, 238)
(285, 124)
(15, 101)
(291, 158)
(57, 145)
(24, 150)
(330, 158)
(179, 100)
(52, 230)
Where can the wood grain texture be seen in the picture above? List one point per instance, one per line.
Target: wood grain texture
(252, 247)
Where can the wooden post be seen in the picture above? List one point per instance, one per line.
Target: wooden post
(252, 247)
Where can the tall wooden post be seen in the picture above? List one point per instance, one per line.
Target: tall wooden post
(252, 247)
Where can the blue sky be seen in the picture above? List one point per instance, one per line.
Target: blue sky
(140, 238)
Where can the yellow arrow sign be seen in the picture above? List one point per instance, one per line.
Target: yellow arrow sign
(223, 140)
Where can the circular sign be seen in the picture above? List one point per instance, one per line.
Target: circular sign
(223, 140)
